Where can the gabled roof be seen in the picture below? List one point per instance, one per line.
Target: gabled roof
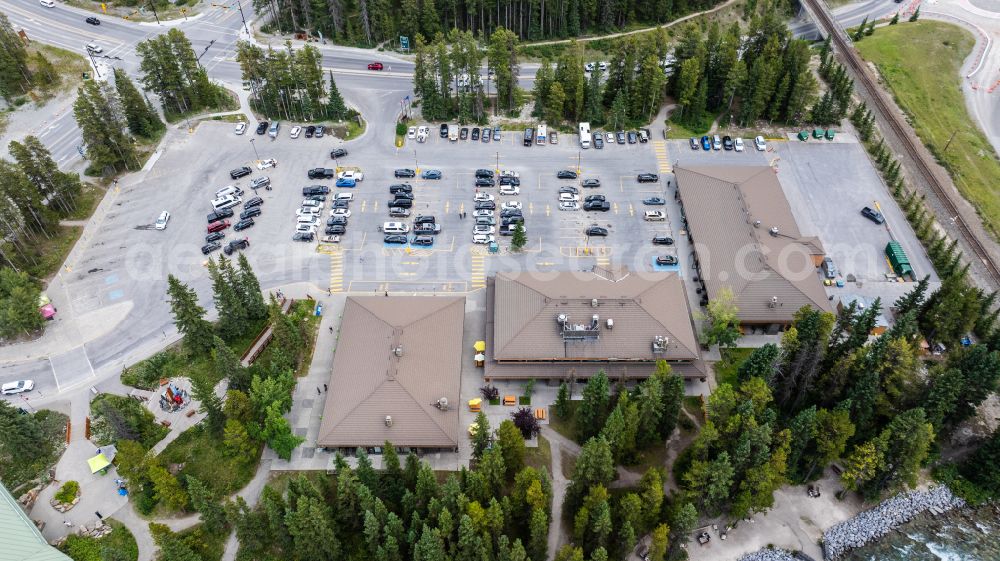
(21, 538)
(747, 239)
(370, 380)
(641, 305)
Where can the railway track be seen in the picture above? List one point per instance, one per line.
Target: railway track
(905, 136)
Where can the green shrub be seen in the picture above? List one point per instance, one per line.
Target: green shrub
(146, 374)
(119, 545)
(68, 492)
(400, 128)
(144, 499)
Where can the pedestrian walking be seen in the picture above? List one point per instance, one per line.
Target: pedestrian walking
(318, 392)
(324, 387)
(331, 329)
(386, 293)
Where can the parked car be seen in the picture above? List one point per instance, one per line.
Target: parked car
(214, 236)
(315, 190)
(486, 205)
(338, 219)
(422, 240)
(268, 163)
(666, 260)
(400, 188)
(654, 216)
(304, 237)
(249, 213)
(426, 228)
(600, 206)
(239, 172)
(94, 48)
(219, 215)
(569, 189)
(643, 136)
(598, 141)
(487, 134)
(241, 128)
(647, 178)
(609, 137)
(706, 143)
(444, 130)
(335, 230)
(632, 137)
(654, 201)
(590, 198)
(217, 226)
(260, 182)
(295, 132)
(482, 197)
(596, 230)
(694, 143)
(566, 174)
(716, 142)
(320, 173)
(431, 174)
(591, 183)
(553, 137)
(405, 172)
(346, 183)
(483, 239)
(320, 131)
(485, 182)
(759, 144)
(727, 142)
(411, 133)
(243, 224)
(511, 204)
(19, 386)
(738, 144)
(310, 131)
(620, 137)
(662, 240)
(482, 212)
(568, 197)
(395, 239)
(510, 190)
(569, 205)
(398, 212)
(464, 133)
(375, 66)
(496, 134)
(161, 221)
(402, 195)
(873, 215)
(403, 203)
(210, 247)
(262, 127)
(475, 133)
(829, 269)
(424, 219)
(482, 172)
(236, 245)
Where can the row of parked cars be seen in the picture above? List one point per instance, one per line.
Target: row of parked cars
(727, 142)
(621, 137)
(272, 129)
(223, 205)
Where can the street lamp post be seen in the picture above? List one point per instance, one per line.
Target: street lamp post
(240, 6)
(498, 163)
(416, 166)
(252, 145)
(155, 15)
(92, 61)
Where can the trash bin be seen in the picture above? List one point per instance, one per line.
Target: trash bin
(829, 134)
(803, 136)
(818, 133)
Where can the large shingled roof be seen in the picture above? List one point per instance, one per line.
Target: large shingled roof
(641, 306)
(371, 380)
(21, 539)
(746, 238)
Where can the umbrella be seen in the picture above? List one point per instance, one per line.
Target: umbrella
(98, 462)
(479, 346)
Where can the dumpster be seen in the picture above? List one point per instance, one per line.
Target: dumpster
(803, 135)
(818, 133)
(494, 247)
(898, 260)
(829, 134)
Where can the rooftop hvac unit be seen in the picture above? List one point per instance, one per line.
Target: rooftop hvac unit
(660, 344)
(398, 351)
(562, 319)
(773, 303)
(774, 231)
(442, 404)
(388, 420)
(594, 320)
(593, 303)
(756, 223)
(611, 324)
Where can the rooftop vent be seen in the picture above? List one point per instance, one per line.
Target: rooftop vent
(398, 351)
(660, 344)
(773, 303)
(562, 319)
(442, 404)
(388, 420)
(593, 303)
(594, 320)
(756, 223)
(611, 324)
(774, 231)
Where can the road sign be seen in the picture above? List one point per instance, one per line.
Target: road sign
(404, 42)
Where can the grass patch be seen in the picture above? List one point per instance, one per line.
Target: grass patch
(86, 203)
(653, 457)
(694, 406)
(119, 545)
(568, 463)
(565, 426)
(348, 129)
(687, 130)
(725, 369)
(227, 102)
(495, 401)
(540, 458)
(50, 253)
(206, 460)
(524, 400)
(16, 471)
(234, 118)
(920, 62)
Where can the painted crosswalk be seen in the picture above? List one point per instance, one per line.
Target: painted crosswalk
(478, 270)
(336, 271)
(662, 158)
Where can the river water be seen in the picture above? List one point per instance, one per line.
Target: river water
(964, 534)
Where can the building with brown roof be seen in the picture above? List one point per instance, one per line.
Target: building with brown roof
(746, 238)
(396, 374)
(572, 324)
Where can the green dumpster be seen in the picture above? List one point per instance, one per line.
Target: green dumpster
(829, 134)
(818, 133)
(803, 135)
(898, 260)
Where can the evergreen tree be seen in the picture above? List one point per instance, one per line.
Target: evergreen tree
(227, 365)
(59, 189)
(336, 109)
(592, 411)
(310, 527)
(102, 129)
(167, 489)
(141, 119)
(483, 436)
(213, 516)
(203, 389)
(561, 405)
(189, 317)
(594, 466)
(915, 15)
(249, 290)
(519, 239)
(512, 446)
(232, 313)
(761, 363)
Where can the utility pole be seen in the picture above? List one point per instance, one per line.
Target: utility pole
(254, 149)
(92, 61)
(953, 133)
(155, 15)
(240, 6)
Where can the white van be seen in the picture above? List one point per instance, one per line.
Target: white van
(47, 3)
(229, 201)
(228, 190)
(395, 228)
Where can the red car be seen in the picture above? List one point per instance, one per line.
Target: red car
(375, 66)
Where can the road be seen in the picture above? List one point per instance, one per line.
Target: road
(106, 278)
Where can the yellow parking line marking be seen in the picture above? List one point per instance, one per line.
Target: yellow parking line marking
(336, 270)
(478, 269)
(548, 210)
(531, 208)
(375, 206)
(447, 205)
(614, 207)
(364, 203)
(631, 210)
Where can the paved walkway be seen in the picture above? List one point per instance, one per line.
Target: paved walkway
(261, 342)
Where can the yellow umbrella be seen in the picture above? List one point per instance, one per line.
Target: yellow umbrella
(98, 462)
(479, 346)
(475, 401)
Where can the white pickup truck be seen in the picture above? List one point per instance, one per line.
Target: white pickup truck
(352, 173)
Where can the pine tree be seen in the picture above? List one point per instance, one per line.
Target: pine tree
(483, 436)
(213, 516)
(916, 14)
(590, 415)
(519, 239)
(203, 389)
(561, 405)
(249, 290)
(232, 313)
(189, 317)
(59, 189)
(336, 109)
(107, 146)
(45, 74)
(555, 104)
(227, 366)
(511, 444)
(895, 19)
(141, 119)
